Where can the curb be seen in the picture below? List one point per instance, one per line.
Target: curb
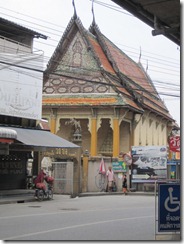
(16, 198)
(16, 201)
(88, 194)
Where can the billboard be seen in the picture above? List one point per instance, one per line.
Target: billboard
(21, 85)
(149, 163)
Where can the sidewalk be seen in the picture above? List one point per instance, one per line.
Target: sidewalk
(21, 195)
(16, 196)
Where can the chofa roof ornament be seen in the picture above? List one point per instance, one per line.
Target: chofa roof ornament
(92, 9)
(75, 12)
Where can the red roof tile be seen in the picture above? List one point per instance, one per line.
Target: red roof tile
(133, 75)
(128, 67)
(100, 54)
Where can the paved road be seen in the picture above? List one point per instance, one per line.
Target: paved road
(83, 218)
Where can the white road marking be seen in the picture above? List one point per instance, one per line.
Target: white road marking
(74, 226)
(64, 211)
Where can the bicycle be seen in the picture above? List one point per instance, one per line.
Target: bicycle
(42, 194)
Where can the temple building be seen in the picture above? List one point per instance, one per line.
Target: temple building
(99, 98)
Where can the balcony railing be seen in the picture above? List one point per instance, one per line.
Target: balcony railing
(10, 46)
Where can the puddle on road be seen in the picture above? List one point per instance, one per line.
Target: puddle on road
(69, 209)
(34, 206)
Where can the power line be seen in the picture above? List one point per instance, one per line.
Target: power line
(47, 58)
(169, 61)
(45, 21)
(91, 81)
(27, 26)
(155, 54)
(97, 70)
(94, 70)
(171, 69)
(112, 7)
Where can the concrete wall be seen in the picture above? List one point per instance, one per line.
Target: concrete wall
(97, 182)
(64, 180)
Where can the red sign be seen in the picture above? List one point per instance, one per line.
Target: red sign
(6, 140)
(174, 143)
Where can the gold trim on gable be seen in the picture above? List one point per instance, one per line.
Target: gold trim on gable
(71, 101)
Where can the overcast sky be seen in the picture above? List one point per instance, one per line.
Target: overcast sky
(159, 54)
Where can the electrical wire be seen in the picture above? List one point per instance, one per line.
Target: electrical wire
(91, 81)
(59, 32)
(94, 70)
(164, 85)
(47, 58)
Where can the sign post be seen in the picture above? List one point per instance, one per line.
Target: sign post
(169, 208)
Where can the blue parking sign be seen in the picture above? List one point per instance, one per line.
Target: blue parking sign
(169, 208)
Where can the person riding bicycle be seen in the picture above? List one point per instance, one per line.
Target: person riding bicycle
(44, 186)
(39, 180)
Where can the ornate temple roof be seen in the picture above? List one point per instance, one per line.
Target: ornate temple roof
(102, 75)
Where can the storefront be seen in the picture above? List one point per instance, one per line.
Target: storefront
(30, 145)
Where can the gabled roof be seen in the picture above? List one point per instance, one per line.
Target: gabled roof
(132, 75)
(100, 57)
(128, 77)
(73, 26)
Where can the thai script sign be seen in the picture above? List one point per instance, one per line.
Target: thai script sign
(119, 166)
(60, 152)
(174, 143)
(169, 208)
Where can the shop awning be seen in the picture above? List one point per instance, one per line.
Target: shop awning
(41, 138)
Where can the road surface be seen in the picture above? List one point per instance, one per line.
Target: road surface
(113, 217)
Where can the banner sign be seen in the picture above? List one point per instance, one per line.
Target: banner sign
(21, 85)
